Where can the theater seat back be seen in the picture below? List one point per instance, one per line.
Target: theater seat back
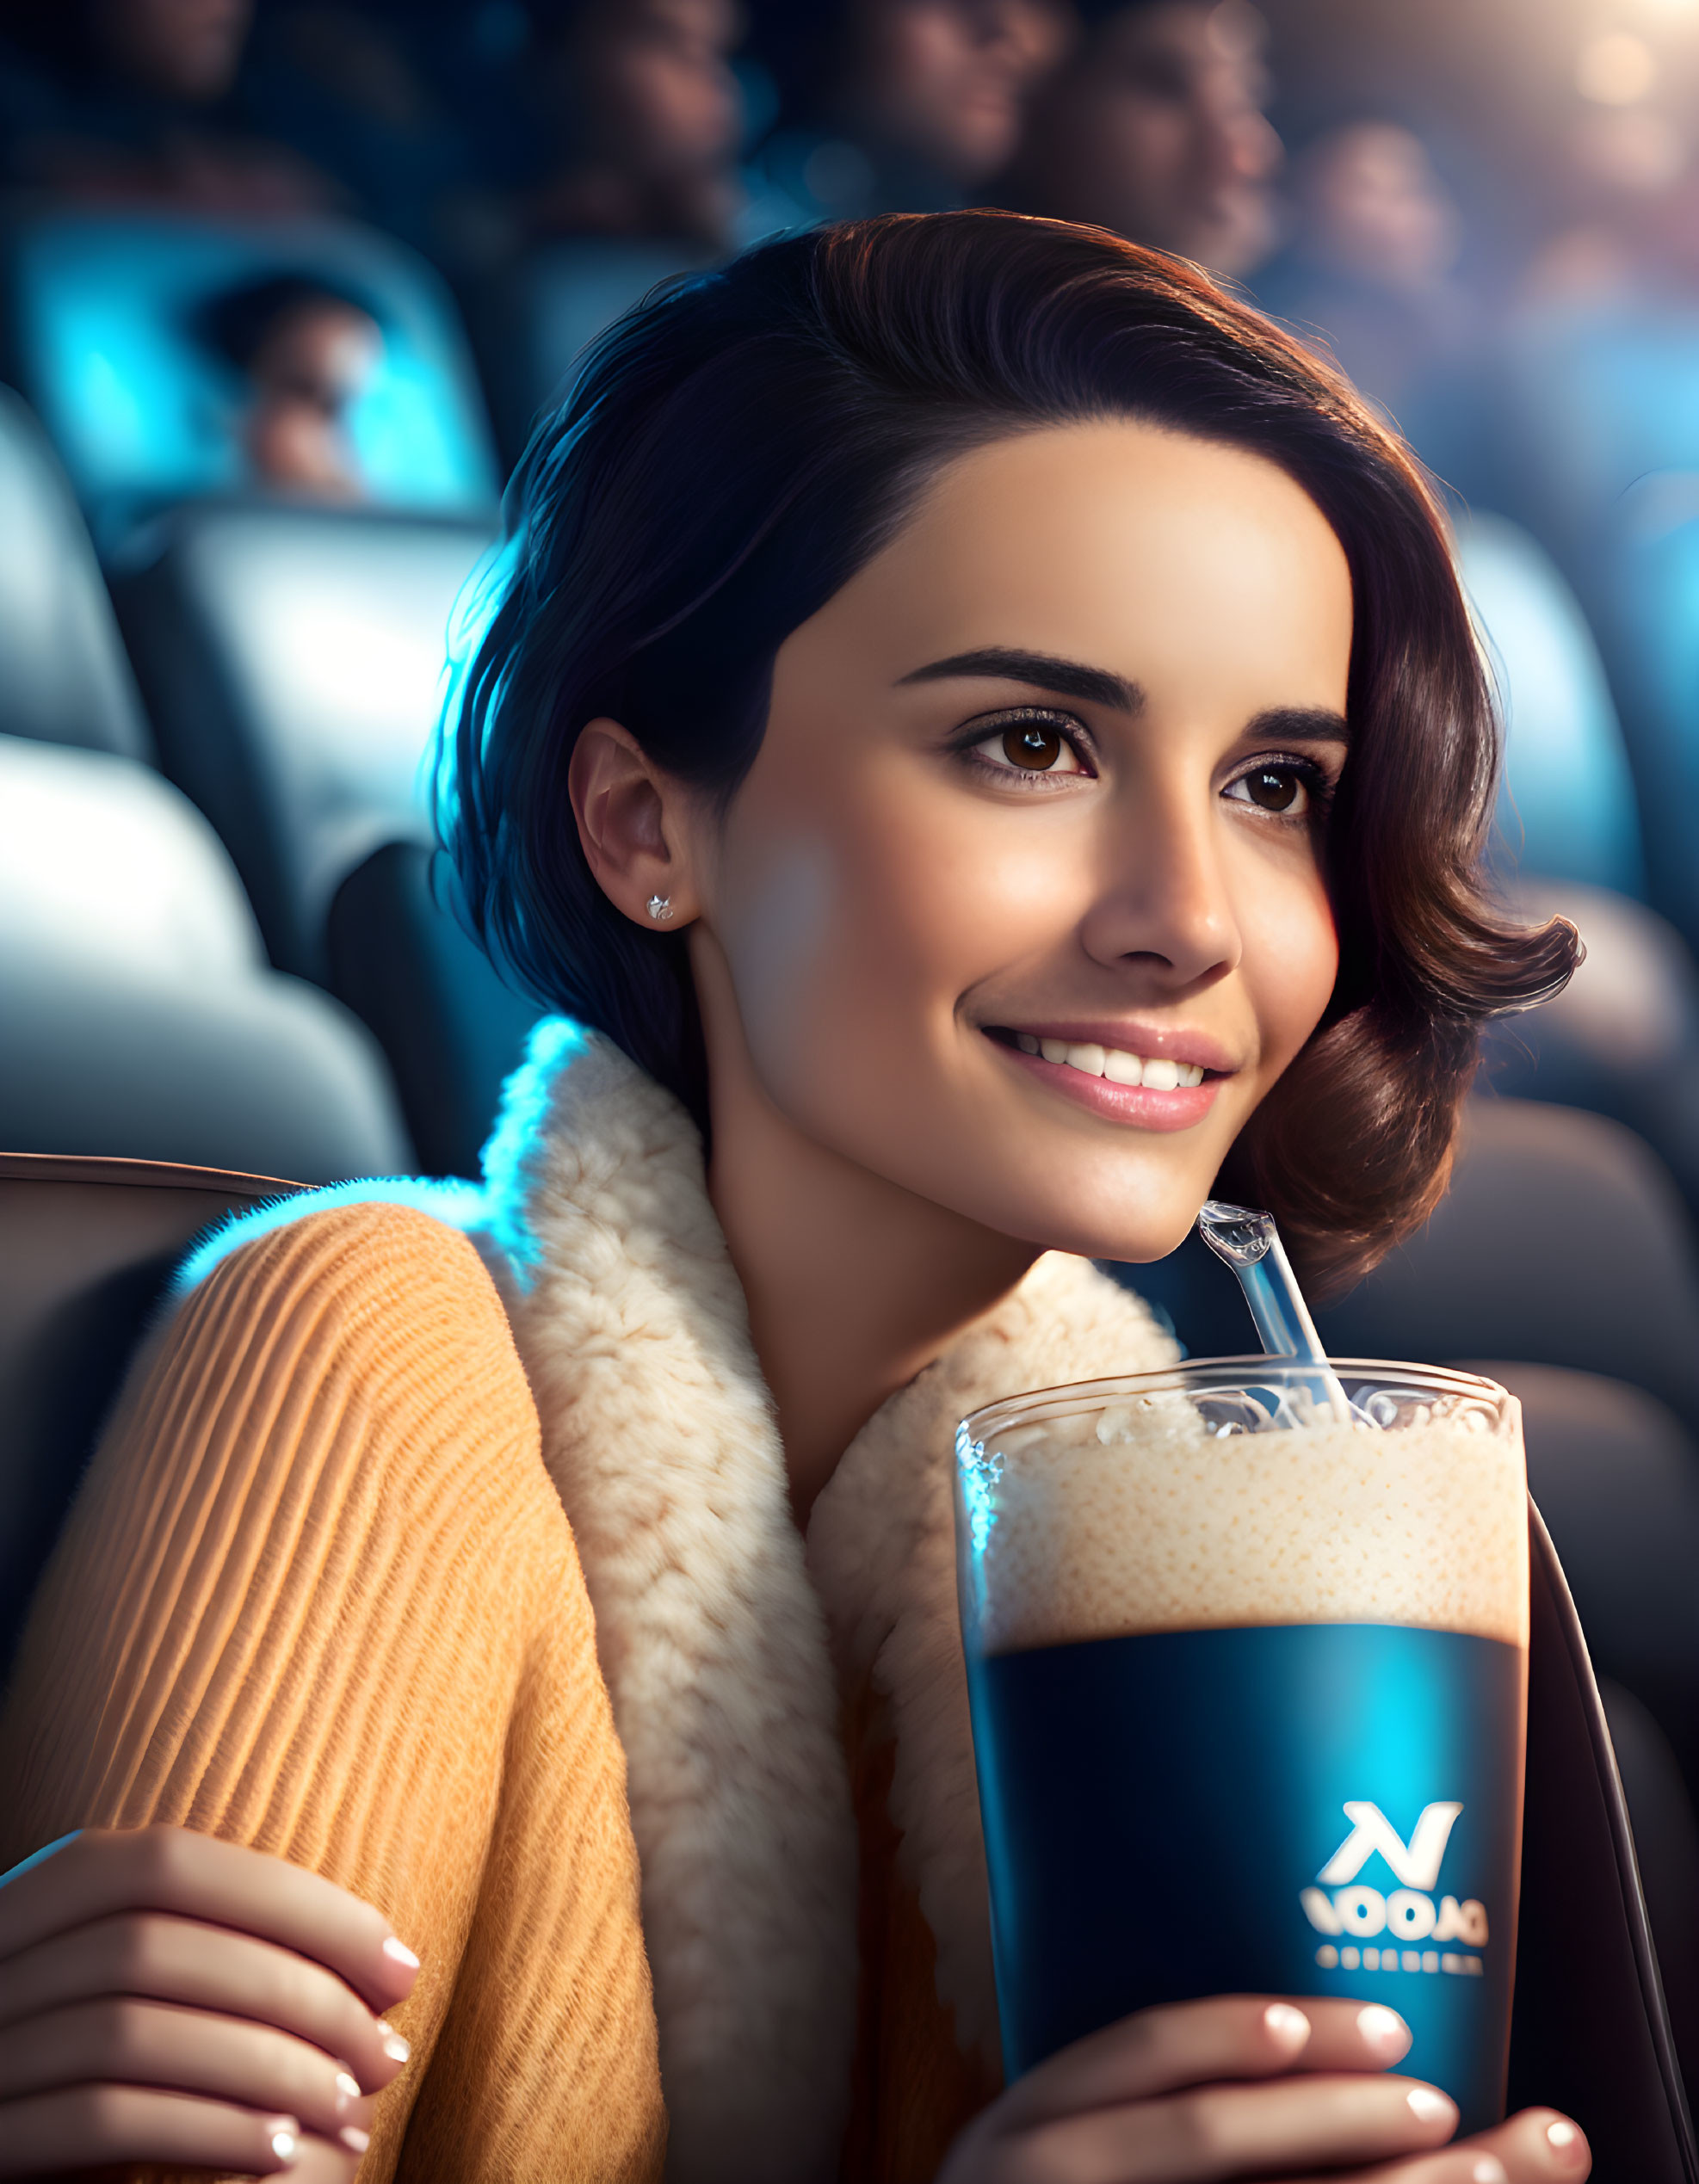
(1590, 2029)
(451, 1028)
(535, 319)
(138, 1014)
(1562, 1242)
(1566, 806)
(293, 661)
(64, 676)
(101, 859)
(1647, 602)
(86, 1248)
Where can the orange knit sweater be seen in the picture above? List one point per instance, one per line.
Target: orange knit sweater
(318, 1595)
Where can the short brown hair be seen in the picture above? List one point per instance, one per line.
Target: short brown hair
(735, 449)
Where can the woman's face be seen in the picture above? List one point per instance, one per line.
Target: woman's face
(1022, 901)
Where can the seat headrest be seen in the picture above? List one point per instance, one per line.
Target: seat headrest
(1567, 804)
(102, 861)
(64, 676)
(294, 662)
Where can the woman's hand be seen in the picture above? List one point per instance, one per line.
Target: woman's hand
(165, 1997)
(1244, 2087)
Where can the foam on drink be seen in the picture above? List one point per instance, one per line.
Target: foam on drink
(1133, 1514)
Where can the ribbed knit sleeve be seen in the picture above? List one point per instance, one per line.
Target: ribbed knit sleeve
(318, 1595)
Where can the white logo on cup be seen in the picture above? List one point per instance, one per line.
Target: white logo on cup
(1409, 1917)
(1417, 1863)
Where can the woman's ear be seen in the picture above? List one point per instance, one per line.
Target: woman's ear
(631, 824)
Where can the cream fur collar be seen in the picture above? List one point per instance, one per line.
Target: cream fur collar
(717, 1627)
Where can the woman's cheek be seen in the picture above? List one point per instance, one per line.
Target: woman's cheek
(849, 955)
(1290, 962)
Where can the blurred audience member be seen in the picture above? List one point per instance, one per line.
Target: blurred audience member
(1155, 127)
(1635, 245)
(384, 96)
(630, 120)
(1371, 261)
(134, 98)
(305, 352)
(644, 120)
(900, 105)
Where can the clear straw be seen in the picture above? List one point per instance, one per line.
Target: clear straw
(1247, 1239)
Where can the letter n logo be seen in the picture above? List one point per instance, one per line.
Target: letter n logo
(1417, 1863)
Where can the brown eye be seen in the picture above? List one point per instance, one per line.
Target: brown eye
(1033, 747)
(1272, 788)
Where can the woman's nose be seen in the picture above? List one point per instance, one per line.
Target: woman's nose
(1164, 899)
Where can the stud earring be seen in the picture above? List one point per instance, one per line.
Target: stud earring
(660, 908)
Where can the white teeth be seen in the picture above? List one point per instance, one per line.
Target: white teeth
(1113, 1062)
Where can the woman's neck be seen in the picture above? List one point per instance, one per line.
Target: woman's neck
(854, 1284)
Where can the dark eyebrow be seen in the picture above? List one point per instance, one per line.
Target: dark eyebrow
(1041, 671)
(1298, 724)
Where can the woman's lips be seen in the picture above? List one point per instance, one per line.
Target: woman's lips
(1143, 1106)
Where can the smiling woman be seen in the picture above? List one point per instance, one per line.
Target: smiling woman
(982, 734)
(991, 432)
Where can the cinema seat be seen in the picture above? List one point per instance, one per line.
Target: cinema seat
(1562, 1242)
(64, 674)
(450, 1027)
(1622, 1039)
(1648, 593)
(138, 1014)
(532, 323)
(86, 1248)
(292, 660)
(98, 307)
(1566, 807)
(1666, 1844)
(1617, 1480)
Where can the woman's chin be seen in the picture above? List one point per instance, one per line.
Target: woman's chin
(1093, 1225)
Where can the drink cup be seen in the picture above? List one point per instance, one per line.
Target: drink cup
(1248, 1694)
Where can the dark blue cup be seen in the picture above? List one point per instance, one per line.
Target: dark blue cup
(1248, 1689)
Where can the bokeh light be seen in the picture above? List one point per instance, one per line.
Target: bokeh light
(1615, 69)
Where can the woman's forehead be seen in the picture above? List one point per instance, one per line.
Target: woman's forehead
(1149, 554)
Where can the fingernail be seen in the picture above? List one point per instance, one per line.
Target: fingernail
(1489, 2169)
(394, 2045)
(398, 1953)
(1383, 2028)
(1289, 2026)
(357, 2141)
(1427, 2106)
(284, 2133)
(348, 2089)
(1567, 2143)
